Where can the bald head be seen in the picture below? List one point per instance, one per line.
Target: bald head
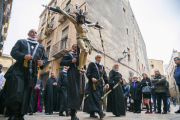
(32, 33)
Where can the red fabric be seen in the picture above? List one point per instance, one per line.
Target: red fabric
(38, 102)
(118, 74)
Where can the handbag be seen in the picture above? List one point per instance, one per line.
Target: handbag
(147, 90)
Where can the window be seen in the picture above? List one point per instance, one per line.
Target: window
(68, 6)
(44, 19)
(64, 43)
(41, 34)
(127, 31)
(48, 51)
(152, 66)
(129, 56)
(124, 11)
(52, 22)
(65, 32)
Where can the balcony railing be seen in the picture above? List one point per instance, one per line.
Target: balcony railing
(39, 37)
(68, 9)
(61, 48)
(49, 30)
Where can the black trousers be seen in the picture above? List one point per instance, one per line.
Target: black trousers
(159, 97)
(137, 105)
(125, 98)
(15, 109)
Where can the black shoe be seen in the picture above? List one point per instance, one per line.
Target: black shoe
(21, 118)
(158, 112)
(131, 111)
(68, 114)
(50, 113)
(12, 118)
(164, 112)
(102, 115)
(30, 113)
(138, 111)
(93, 116)
(74, 118)
(177, 111)
(61, 114)
(134, 111)
(117, 115)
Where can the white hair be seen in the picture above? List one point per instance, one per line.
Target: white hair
(97, 55)
(156, 70)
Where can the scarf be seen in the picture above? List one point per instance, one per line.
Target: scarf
(65, 70)
(157, 76)
(32, 40)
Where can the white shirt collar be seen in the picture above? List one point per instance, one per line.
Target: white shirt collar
(97, 62)
(32, 40)
(116, 70)
(74, 51)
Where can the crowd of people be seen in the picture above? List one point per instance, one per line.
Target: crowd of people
(22, 92)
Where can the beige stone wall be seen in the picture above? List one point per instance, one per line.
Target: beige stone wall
(109, 14)
(6, 61)
(158, 64)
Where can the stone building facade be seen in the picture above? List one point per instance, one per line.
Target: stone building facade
(5, 12)
(169, 72)
(6, 61)
(121, 32)
(155, 64)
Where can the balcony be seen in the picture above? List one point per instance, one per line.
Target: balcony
(68, 9)
(39, 37)
(60, 48)
(49, 30)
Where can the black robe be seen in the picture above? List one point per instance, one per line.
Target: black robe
(94, 98)
(86, 105)
(115, 101)
(34, 99)
(136, 93)
(62, 89)
(143, 84)
(51, 97)
(20, 91)
(73, 91)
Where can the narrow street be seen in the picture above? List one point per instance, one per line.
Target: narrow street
(109, 116)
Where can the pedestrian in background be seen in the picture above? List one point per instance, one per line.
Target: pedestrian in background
(177, 77)
(126, 93)
(153, 96)
(146, 97)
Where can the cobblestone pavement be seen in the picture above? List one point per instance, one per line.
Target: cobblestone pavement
(109, 116)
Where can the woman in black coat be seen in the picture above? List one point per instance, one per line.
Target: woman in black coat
(115, 102)
(146, 97)
(136, 94)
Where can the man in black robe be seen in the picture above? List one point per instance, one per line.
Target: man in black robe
(29, 56)
(73, 91)
(50, 95)
(62, 89)
(95, 73)
(35, 104)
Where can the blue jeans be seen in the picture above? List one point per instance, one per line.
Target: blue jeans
(154, 101)
(174, 103)
(168, 103)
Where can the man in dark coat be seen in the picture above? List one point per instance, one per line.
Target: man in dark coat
(30, 56)
(50, 95)
(95, 73)
(136, 94)
(35, 104)
(160, 90)
(73, 91)
(62, 89)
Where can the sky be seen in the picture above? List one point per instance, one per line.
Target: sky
(158, 20)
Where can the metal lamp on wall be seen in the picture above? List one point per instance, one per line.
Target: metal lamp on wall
(124, 54)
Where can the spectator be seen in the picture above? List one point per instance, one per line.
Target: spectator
(146, 97)
(136, 94)
(130, 80)
(126, 93)
(168, 95)
(177, 77)
(174, 101)
(131, 109)
(160, 90)
(153, 96)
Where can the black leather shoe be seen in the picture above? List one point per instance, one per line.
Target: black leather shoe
(68, 114)
(177, 111)
(74, 118)
(61, 114)
(138, 111)
(30, 113)
(117, 115)
(164, 112)
(93, 116)
(102, 115)
(158, 112)
(12, 118)
(134, 111)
